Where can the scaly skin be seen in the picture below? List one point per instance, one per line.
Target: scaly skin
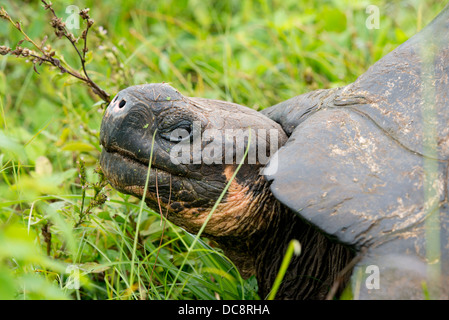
(249, 224)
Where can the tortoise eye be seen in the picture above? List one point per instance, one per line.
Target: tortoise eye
(177, 135)
(178, 132)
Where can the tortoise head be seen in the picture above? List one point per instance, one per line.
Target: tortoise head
(195, 146)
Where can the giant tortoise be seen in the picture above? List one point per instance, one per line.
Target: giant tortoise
(360, 177)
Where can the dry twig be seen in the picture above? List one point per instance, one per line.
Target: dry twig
(45, 54)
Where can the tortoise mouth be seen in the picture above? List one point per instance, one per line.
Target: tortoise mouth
(129, 175)
(119, 154)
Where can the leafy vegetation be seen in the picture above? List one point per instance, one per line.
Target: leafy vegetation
(58, 217)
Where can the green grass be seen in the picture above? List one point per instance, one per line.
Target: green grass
(256, 53)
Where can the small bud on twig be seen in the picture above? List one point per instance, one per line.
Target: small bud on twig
(59, 33)
(47, 5)
(4, 14)
(57, 23)
(17, 51)
(85, 14)
(71, 37)
(4, 50)
(43, 41)
(25, 52)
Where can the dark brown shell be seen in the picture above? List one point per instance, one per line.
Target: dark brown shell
(368, 163)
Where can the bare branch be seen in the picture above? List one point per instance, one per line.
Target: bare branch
(48, 56)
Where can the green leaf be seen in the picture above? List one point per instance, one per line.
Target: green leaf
(36, 287)
(11, 145)
(334, 20)
(78, 146)
(7, 284)
(43, 166)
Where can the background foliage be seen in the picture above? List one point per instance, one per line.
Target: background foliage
(253, 52)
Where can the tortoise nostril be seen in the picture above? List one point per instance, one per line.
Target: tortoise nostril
(122, 104)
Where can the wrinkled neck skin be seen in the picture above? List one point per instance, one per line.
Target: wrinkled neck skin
(260, 253)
